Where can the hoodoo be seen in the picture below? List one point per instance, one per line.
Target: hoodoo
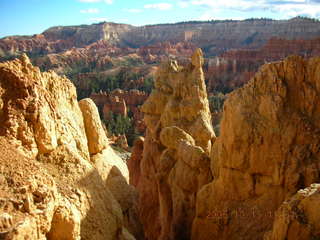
(60, 178)
(175, 162)
(243, 185)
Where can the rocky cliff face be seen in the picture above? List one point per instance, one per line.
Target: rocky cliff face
(58, 39)
(267, 151)
(175, 161)
(215, 37)
(68, 182)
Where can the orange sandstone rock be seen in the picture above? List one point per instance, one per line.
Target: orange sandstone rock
(175, 161)
(268, 150)
(58, 190)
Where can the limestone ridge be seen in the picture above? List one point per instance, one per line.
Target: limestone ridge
(175, 161)
(267, 151)
(78, 178)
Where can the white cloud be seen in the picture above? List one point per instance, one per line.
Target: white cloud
(90, 10)
(96, 1)
(98, 19)
(133, 10)
(183, 4)
(241, 5)
(282, 8)
(159, 6)
(293, 10)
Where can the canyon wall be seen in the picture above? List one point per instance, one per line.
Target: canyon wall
(214, 37)
(60, 179)
(58, 39)
(217, 36)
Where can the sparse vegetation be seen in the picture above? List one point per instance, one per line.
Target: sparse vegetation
(118, 124)
(216, 102)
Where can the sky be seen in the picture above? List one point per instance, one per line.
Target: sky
(27, 17)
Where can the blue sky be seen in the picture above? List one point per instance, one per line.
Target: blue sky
(26, 17)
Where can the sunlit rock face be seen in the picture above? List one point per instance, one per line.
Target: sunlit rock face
(56, 165)
(268, 150)
(175, 162)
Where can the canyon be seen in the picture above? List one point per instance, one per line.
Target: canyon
(251, 183)
(256, 176)
(60, 178)
(108, 56)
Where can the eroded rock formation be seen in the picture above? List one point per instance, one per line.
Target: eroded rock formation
(69, 180)
(175, 161)
(122, 102)
(235, 67)
(267, 151)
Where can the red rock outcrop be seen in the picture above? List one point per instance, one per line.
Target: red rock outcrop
(268, 150)
(121, 102)
(236, 67)
(175, 161)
